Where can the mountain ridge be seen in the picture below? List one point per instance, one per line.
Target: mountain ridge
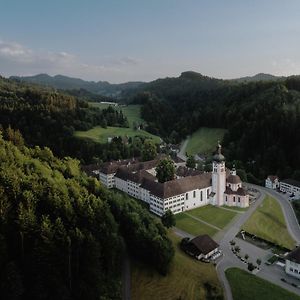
(115, 89)
(70, 83)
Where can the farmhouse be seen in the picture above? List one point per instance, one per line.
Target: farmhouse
(189, 190)
(272, 182)
(292, 263)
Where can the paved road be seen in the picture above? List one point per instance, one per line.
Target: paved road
(228, 260)
(288, 211)
(270, 273)
(182, 151)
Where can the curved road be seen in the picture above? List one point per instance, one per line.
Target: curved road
(182, 151)
(229, 260)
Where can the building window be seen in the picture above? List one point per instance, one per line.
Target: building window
(194, 194)
(225, 198)
(233, 198)
(186, 196)
(201, 195)
(239, 199)
(207, 193)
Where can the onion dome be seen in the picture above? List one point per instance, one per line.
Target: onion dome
(234, 179)
(219, 157)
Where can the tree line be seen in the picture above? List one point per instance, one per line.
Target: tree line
(62, 234)
(49, 118)
(262, 118)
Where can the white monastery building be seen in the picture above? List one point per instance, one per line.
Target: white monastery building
(189, 190)
(291, 187)
(292, 263)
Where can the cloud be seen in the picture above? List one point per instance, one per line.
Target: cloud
(285, 66)
(126, 61)
(17, 59)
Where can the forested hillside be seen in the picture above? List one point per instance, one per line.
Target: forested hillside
(62, 235)
(49, 118)
(262, 118)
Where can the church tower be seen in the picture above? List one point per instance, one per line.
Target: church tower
(218, 177)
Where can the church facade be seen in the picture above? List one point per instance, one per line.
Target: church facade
(190, 188)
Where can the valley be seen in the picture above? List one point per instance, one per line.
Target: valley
(204, 140)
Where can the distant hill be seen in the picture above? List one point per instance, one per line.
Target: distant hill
(62, 82)
(188, 79)
(259, 77)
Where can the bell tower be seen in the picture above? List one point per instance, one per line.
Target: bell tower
(218, 177)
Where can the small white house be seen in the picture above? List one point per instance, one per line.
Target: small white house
(292, 263)
(272, 182)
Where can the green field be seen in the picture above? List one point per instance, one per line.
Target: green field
(245, 286)
(204, 140)
(100, 134)
(192, 226)
(213, 215)
(132, 112)
(185, 281)
(268, 222)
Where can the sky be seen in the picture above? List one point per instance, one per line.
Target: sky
(142, 40)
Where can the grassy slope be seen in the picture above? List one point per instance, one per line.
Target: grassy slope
(246, 286)
(268, 223)
(213, 215)
(204, 140)
(188, 224)
(185, 280)
(100, 135)
(132, 112)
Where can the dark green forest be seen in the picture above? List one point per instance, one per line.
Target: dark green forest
(62, 235)
(262, 118)
(49, 118)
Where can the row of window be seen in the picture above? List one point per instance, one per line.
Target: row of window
(239, 199)
(174, 201)
(194, 195)
(175, 205)
(155, 210)
(295, 271)
(157, 205)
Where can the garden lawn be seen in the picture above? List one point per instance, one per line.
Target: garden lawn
(213, 215)
(185, 280)
(268, 223)
(204, 140)
(241, 209)
(100, 135)
(192, 226)
(245, 286)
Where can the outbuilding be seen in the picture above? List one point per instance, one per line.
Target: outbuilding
(202, 247)
(292, 263)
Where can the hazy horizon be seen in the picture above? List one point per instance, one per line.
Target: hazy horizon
(142, 41)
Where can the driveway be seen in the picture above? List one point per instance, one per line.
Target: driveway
(182, 151)
(270, 273)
